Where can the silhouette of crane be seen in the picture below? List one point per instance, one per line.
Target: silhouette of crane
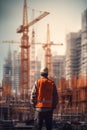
(25, 50)
(48, 54)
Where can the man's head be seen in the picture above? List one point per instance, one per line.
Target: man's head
(44, 71)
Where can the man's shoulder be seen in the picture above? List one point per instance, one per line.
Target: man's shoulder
(51, 80)
(46, 79)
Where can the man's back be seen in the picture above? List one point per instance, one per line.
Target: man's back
(44, 93)
(45, 98)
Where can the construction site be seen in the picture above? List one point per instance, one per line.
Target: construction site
(16, 112)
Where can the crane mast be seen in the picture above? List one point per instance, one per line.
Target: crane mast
(25, 55)
(32, 55)
(25, 51)
(48, 56)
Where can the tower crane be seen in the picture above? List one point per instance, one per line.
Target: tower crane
(32, 54)
(25, 50)
(48, 55)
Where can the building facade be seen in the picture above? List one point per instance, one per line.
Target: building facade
(84, 44)
(73, 54)
(16, 72)
(7, 68)
(58, 68)
(35, 74)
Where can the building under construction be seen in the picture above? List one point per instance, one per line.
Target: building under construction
(72, 90)
(73, 95)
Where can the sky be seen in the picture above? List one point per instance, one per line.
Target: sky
(64, 17)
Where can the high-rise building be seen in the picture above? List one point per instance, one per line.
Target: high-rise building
(84, 44)
(58, 68)
(32, 72)
(38, 67)
(73, 54)
(36, 72)
(7, 69)
(16, 72)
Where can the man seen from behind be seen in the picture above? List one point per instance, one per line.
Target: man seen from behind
(44, 97)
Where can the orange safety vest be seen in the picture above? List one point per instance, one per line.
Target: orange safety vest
(44, 93)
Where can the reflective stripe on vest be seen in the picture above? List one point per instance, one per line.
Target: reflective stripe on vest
(45, 93)
(45, 101)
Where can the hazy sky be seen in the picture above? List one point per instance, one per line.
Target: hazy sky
(65, 16)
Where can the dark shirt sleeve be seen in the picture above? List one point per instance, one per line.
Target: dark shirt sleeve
(55, 97)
